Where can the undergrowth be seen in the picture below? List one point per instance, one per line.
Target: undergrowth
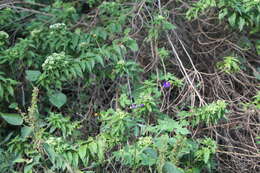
(129, 86)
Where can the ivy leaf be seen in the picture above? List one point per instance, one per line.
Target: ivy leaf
(11, 118)
(58, 99)
(32, 75)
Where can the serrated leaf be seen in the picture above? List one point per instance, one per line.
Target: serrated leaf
(11, 118)
(58, 99)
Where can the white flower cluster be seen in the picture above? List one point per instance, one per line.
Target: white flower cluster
(53, 59)
(57, 26)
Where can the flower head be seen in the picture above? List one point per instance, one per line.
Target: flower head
(57, 26)
(134, 106)
(166, 84)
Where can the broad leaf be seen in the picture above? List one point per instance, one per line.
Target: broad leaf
(11, 118)
(58, 99)
(26, 131)
(32, 75)
(168, 167)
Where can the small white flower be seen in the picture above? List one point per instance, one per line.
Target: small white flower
(57, 26)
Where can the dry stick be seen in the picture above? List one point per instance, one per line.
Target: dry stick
(195, 69)
(239, 154)
(180, 62)
(183, 69)
(8, 2)
(26, 9)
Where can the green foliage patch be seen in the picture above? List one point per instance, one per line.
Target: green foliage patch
(76, 95)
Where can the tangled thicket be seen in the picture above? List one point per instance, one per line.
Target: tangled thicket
(129, 85)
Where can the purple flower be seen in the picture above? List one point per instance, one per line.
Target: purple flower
(166, 84)
(133, 106)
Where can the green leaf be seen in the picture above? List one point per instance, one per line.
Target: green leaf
(257, 75)
(28, 168)
(184, 114)
(11, 118)
(58, 99)
(99, 59)
(168, 167)
(168, 26)
(19, 160)
(13, 106)
(1, 91)
(82, 152)
(133, 45)
(26, 131)
(32, 75)
(241, 23)
(222, 13)
(182, 131)
(206, 155)
(232, 19)
(151, 152)
(51, 153)
(93, 147)
(10, 90)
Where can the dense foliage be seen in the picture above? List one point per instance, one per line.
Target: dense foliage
(129, 86)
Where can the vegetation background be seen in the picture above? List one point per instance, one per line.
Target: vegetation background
(167, 86)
